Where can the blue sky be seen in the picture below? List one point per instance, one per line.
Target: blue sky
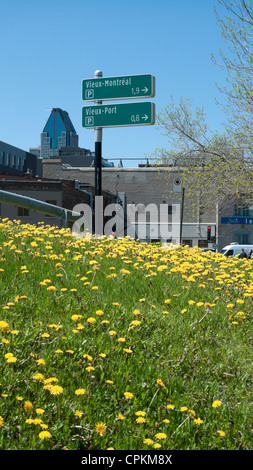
(48, 47)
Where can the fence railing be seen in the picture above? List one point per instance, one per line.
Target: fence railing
(65, 215)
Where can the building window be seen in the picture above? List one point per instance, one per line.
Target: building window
(187, 242)
(241, 210)
(23, 212)
(202, 243)
(243, 238)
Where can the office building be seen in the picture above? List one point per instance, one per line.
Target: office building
(58, 132)
(15, 161)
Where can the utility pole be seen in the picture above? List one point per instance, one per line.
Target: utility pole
(181, 216)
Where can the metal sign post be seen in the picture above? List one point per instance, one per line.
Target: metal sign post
(98, 148)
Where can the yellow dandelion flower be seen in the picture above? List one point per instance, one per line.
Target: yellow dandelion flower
(75, 318)
(170, 407)
(136, 312)
(120, 417)
(53, 288)
(8, 355)
(79, 414)
(112, 332)
(55, 390)
(4, 326)
(80, 391)
(50, 380)
(157, 446)
(221, 433)
(128, 395)
(216, 403)
(160, 383)
(198, 421)
(101, 428)
(39, 377)
(41, 362)
(148, 441)
(135, 322)
(28, 406)
(140, 420)
(37, 421)
(161, 435)
(140, 413)
(11, 359)
(99, 312)
(88, 357)
(43, 425)
(45, 435)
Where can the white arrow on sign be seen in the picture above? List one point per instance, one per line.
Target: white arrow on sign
(145, 117)
(145, 89)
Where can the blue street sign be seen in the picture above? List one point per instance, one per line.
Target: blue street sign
(237, 220)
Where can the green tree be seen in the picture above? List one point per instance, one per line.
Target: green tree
(217, 167)
(237, 30)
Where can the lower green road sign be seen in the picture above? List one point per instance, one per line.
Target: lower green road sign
(118, 115)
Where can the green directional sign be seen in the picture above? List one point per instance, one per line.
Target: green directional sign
(116, 88)
(118, 115)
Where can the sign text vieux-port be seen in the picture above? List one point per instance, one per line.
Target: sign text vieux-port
(118, 115)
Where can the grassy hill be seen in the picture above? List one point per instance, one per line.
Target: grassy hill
(119, 344)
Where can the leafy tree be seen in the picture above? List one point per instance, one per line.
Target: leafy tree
(217, 167)
(237, 31)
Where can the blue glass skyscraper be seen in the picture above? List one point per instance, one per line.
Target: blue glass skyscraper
(58, 132)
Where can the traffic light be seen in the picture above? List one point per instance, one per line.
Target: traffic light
(209, 233)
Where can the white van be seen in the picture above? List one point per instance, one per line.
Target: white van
(235, 249)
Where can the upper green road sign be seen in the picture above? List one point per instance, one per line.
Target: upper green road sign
(118, 115)
(116, 88)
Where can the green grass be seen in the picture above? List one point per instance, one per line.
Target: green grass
(70, 305)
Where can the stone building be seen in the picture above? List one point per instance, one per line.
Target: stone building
(145, 186)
